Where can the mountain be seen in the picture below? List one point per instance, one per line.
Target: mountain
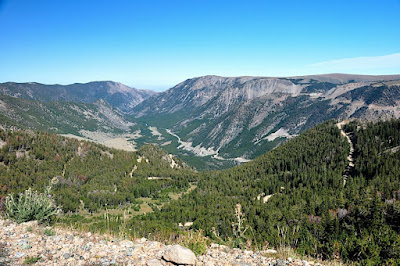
(210, 122)
(233, 117)
(117, 94)
(63, 117)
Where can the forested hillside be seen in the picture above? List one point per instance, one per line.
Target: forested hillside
(63, 117)
(84, 174)
(296, 196)
(301, 195)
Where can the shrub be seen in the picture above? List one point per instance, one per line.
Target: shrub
(32, 260)
(195, 241)
(49, 232)
(31, 206)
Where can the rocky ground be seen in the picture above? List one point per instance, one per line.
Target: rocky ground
(28, 243)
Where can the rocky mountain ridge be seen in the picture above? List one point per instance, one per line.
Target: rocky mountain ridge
(117, 94)
(227, 115)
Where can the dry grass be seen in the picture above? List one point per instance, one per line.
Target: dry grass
(176, 196)
(288, 252)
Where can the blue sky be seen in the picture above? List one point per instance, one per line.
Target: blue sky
(156, 44)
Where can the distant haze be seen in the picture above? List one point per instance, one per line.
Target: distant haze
(156, 88)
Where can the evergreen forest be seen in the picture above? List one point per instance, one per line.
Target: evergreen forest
(302, 194)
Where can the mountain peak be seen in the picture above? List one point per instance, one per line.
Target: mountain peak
(230, 114)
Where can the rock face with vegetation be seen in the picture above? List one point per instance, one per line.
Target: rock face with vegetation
(227, 116)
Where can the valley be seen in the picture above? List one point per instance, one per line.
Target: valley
(124, 142)
(238, 161)
(222, 116)
(211, 122)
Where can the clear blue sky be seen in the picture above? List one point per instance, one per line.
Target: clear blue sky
(156, 44)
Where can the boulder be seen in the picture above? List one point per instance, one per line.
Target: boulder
(270, 251)
(179, 255)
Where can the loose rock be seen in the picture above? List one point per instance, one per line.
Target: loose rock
(67, 247)
(154, 262)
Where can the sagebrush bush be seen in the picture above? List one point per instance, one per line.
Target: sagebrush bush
(31, 206)
(196, 241)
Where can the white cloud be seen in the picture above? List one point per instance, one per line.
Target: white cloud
(360, 63)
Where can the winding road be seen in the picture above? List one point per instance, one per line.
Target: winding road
(350, 157)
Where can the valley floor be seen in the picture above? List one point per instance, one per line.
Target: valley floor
(29, 243)
(116, 141)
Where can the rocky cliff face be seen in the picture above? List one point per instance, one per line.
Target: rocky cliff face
(117, 94)
(224, 93)
(245, 116)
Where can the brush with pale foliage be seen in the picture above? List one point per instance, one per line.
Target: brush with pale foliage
(30, 206)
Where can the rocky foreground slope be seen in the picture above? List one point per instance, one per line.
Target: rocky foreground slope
(30, 243)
